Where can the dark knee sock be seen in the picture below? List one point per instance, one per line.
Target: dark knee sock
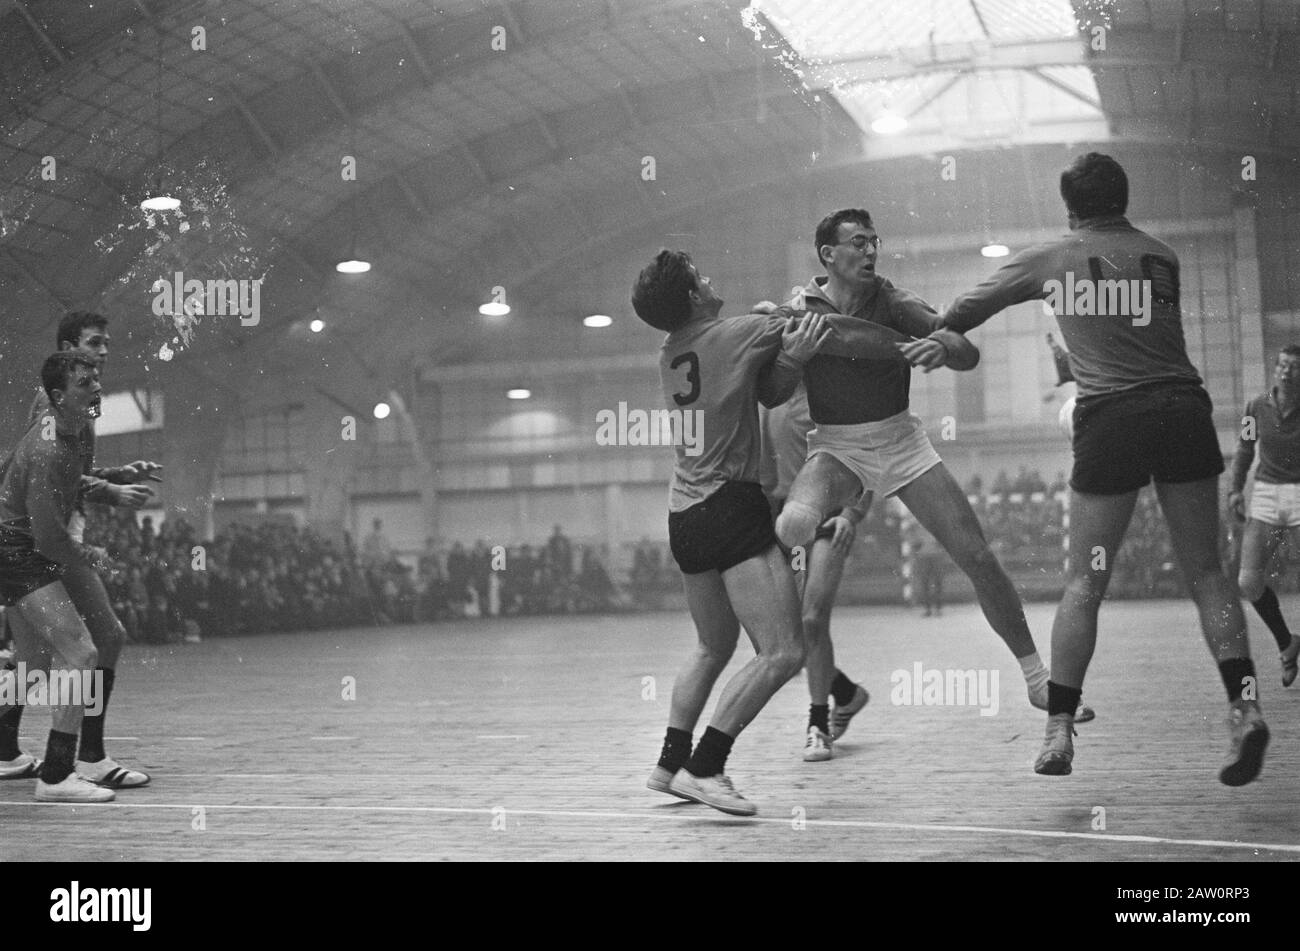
(92, 727)
(676, 751)
(1062, 699)
(9, 721)
(58, 757)
(819, 715)
(710, 756)
(1234, 670)
(843, 689)
(1271, 613)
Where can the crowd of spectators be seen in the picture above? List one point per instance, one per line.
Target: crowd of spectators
(167, 584)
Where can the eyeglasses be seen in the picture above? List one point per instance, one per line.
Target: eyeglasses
(860, 241)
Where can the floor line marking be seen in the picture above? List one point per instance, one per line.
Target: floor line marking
(711, 816)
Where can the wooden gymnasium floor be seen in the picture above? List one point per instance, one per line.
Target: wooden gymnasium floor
(545, 719)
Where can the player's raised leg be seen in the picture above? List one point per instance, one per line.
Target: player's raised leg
(824, 483)
(1191, 509)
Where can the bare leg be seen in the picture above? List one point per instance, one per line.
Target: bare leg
(762, 593)
(940, 505)
(821, 485)
(718, 630)
(1192, 510)
(825, 570)
(51, 615)
(1097, 525)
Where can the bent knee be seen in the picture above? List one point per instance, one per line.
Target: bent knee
(797, 524)
(1252, 585)
(787, 661)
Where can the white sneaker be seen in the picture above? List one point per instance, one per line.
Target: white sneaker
(72, 789)
(715, 791)
(24, 766)
(817, 748)
(661, 781)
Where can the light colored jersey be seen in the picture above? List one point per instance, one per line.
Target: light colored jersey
(710, 369)
(1131, 332)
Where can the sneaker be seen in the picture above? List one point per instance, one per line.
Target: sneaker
(1247, 738)
(661, 781)
(72, 789)
(24, 766)
(818, 747)
(1038, 700)
(841, 716)
(1058, 747)
(715, 791)
(108, 774)
(1291, 661)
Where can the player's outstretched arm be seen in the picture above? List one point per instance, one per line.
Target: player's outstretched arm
(854, 337)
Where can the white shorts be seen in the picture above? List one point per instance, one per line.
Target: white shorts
(885, 455)
(1276, 504)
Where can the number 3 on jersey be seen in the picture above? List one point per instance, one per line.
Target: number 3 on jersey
(692, 362)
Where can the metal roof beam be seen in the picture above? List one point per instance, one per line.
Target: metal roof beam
(946, 57)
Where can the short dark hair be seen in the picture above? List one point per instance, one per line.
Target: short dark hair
(828, 229)
(74, 322)
(1290, 350)
(661, 294)
(59, 366)
(1094, 185)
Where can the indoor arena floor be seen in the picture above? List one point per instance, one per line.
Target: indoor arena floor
(531, 739)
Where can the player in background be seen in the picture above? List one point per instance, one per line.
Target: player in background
(1271, 421)
(1142, 413)
(39, 484)
(785, 447)
(719, 523)
(87, 333)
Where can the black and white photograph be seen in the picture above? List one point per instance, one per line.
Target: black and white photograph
(647, 431)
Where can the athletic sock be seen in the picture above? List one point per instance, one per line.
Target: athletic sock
(1062, 699)
(1271, 613)
(819, 715)
(677, 749)
(843, 689)
(92, 727)
(58, 757)
(1234, 670)
(9, 721)
(710, 756)
(1036, 675)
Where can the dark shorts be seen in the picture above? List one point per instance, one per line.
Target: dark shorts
(1124, 440)
(22, 568)
(732, 525)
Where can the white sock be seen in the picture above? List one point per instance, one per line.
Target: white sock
(1036, 675)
